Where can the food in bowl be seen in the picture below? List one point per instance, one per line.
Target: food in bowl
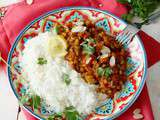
(98, 57)
(111, 107)
(73, 68)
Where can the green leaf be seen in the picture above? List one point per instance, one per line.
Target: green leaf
(140, 8)
(104, 71)
(127, 17)
(87, 49)
(71, 113)
(90, 40)
(100, 71)
(107, 72)
(123, 1)
(66, 78)
(41, 61)
(36, 101)
(57, 116)
(50, 118)
(24, 99)
(56, 29)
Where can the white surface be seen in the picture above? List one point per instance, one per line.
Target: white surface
(153, 83)
(153, 30)
(8, 102)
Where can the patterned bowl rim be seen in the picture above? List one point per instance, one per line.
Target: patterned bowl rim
(133, 99)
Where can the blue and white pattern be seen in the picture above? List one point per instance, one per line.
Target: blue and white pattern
(75, 16)
(46, 109)
(103, 24)
(48, 25)
(106, 108)
(132, 65)
(127, 90)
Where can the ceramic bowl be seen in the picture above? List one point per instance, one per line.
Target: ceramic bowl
(136, 68)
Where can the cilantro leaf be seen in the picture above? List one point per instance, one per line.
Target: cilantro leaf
(91, 40)
(41, 61)
(36, 101)
(57, 116)
(100, 71)
(87, 49)
(71, 113)
(66, 78)
(104, 72)
(107, 72)
(24, 99)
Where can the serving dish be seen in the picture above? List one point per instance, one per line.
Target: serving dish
(136, 64)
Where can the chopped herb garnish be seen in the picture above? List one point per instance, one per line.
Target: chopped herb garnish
(41, 61)
(66, 79)
(91, 40)
(100, 71)
(36, 101)
(24, 99)
(71, 113)
(104, 71)
(107, 72)
(57, 116)
(87, 49)
(56, 29)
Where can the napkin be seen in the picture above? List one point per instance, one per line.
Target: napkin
(19, 15)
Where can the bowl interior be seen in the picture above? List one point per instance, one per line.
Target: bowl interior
(136, 68)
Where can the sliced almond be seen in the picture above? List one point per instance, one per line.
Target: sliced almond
(112, 61)
(105, 50)
(88, 60)
(104, 56)
(138, 116)
(78, 29)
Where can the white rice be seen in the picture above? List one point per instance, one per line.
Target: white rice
(46, 80)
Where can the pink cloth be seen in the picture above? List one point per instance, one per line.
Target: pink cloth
(19, 15)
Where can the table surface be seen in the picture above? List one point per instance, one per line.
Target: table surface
(9, 104)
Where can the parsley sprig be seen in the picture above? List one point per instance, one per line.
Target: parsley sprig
(140, 8)
(87, 48)
(41, 61)
(69, 113)
(33, 100)
(104, 72)
(66, 78)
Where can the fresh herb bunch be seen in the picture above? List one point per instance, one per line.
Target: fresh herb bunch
(139, 8)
